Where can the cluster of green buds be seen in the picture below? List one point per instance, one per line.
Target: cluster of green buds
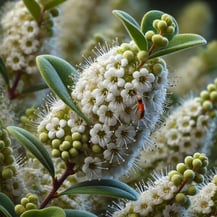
(29, 202)
(168, 195)
(165, 28)
(187, 175)
(7, 168)
(208, 99)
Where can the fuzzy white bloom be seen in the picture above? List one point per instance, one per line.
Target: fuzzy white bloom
(107, 92)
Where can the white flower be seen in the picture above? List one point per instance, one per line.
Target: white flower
(209, 190)
(125, 135)
(155, 196)
(114, 153)
(100, 134)
(30, 29)
(173, 137)
(15, 61)
(92, 167)
(185, 124)
(202, 204)
(143, 80)
(31, 67)
(29, 45)
(166, 189)
(174, 210)
(106, 115)
(203, 121)
(129, 94)
(192, 108)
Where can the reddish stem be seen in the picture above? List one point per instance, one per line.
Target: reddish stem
(12, 90)
(57, 183)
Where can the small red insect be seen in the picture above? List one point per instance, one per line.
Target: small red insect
(140, 107)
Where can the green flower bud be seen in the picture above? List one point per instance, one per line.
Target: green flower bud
(155, 23)
(149, 34)
(189, 175)
(204, 95)
(170, 30)
(199, 178)
(157, 69)
(54, 12)
(96, 148)
(7, 173)
(2, 158)
(7, 151)
(65, 146)
(167, 18)
(9, 159)
(196, 155)
(128, 54)
(172, 173)
(188, 161)
(197, 164)
(2, 144)
(213, 95)
(162, 25)
(30, 206)
(142, 55)
(43, 137)
(68, 138)
(176, 179)
(181, 167)
(33, 198)
(191, 190)
(55, 153)
(211, 87)
(73, 152)
(19, 209)
(215, 180)
(65, 155)
(181, 198)
(76, 136)
(207, 105)
(77, 145)
(24, 201)
(55, 143)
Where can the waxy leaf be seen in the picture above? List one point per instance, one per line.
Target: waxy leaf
(132, 28)
(4, 72)
(46, 212)
(56, 73)
(7, 206)
(34, 146)
(105, 187)
(180, 42)
(34, 9)
(49, 4)
(35, 88)
(149, 17)
(78, 213)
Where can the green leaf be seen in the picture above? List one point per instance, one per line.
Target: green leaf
(49, 4)
(46, 212)
(78, 213)
(132, 28)
(34, 146)
(56, 73)
(105, 187)
(149, 17)
(7, 206)
(180, 42)
(34, 9)
(4, 72)
(35, 88)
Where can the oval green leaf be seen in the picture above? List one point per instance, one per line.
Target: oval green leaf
(29, 141)
(105, 187)
(49, 4)
(56, 73)
(46, 212)
(34, 9)
(78, 213)
(132, 28)
(180, 42)
(7, 206)
(4, 72)
(150, 16)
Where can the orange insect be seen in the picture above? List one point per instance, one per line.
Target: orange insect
(141, 108)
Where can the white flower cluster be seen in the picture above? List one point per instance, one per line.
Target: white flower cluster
(121, 99)
(187, 129)
(22, 39)
(203, 203)
(154, 202)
